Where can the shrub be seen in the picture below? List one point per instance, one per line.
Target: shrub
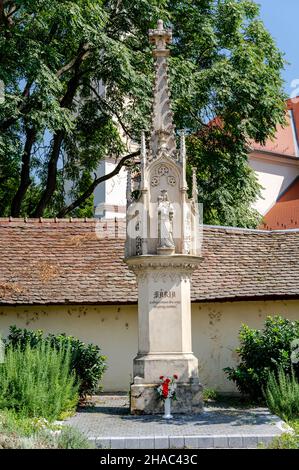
(19, 432)
(86, 360)
(71, 438)
(282, 394)
(38, 381)
(209, 394)
(287, 440)
(261, 352)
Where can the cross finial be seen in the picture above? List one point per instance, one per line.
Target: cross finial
(160, 37)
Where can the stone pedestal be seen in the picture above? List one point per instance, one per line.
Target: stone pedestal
(164, 318)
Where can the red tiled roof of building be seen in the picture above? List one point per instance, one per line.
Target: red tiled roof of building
(81, 262)
(284, 142)
(285, 213)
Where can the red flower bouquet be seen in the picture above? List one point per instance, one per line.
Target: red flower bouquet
(167, 388)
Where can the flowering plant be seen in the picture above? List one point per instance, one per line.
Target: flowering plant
(168, 387)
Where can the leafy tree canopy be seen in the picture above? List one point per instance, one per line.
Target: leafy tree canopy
(57, 122)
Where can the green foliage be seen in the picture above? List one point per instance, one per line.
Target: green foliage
(262, 351)
(38, 381)
(85, 359)
(71, 438)
(287, 440)
(282, 394)
(224, 64)
(209, 394)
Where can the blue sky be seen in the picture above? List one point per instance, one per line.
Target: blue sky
(281, 17)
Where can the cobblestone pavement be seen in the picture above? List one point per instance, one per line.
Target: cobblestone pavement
(108, 423)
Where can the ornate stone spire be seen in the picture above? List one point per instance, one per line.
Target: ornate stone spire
(162, 136)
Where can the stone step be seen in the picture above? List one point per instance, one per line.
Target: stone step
(229, 441)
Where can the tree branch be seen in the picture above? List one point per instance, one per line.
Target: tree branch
(104, 102)
(47, 194)
(65, 210)
(82, 54)
(6, 19)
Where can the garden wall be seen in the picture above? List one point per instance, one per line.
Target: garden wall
(215, 329)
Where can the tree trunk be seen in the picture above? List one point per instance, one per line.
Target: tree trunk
(47, 194)
(25, 174)
(51, 177)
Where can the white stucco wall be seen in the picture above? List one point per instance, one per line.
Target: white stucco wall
(111, 192)
(215, 329)
(275, 174)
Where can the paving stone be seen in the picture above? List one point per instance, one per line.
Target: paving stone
(217, 425)
(250, 442)
(191, 442)
(205, 442)
(132, 443)
(235, 442)
(146, 442)
(161, 442)
(176, 442)
(117, 443)
(103, 443)
(221, 442)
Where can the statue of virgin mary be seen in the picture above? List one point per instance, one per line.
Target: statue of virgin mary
(165, 222)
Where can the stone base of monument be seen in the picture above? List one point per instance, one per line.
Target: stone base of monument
(148, 368)
(144, 399)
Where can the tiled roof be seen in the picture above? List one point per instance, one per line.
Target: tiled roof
(80, 262)
(285, 212)
(285, 141)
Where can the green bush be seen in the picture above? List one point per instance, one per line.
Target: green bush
(262, 351)
(71, 438)
(282, 394)
(287, 440)
(38, 381)
(209, 394)
(86, 360)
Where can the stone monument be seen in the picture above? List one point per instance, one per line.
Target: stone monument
(162, 250)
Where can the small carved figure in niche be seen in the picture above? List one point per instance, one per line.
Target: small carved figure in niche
(165, 221)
